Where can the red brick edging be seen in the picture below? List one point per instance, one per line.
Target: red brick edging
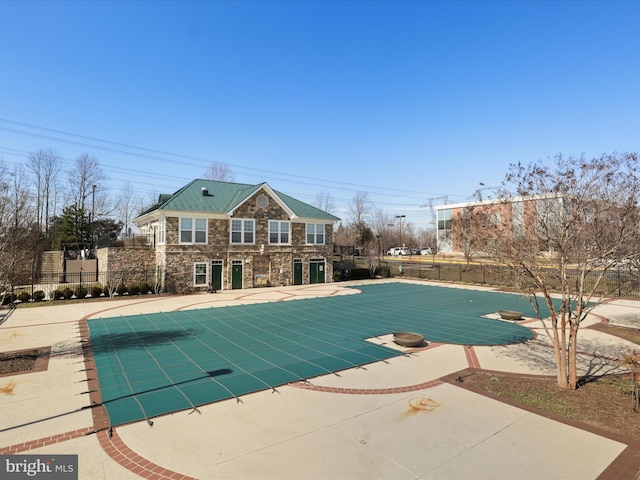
(472, 357)
(43, 442)
(113, 446)
(110, 441)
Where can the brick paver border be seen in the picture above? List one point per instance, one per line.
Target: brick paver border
(625, 466)
(108, 437)
(43, 442)
(120, 452)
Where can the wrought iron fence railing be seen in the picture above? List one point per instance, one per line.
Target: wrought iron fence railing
(622, 282)
(138, 240)
(86, 284)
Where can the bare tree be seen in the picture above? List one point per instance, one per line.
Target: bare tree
(4, 191)
(427, 237)
(147, 201)
(581, 220)
(18, 230)
(219, 172)
(409, 234)
(360, 207)
(85, 173)
(382, 224)
(475, 226)
(343, 236)
(324, 201)
(45, 166)
(127, 204)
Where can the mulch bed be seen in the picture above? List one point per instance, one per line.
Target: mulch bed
(24, 361)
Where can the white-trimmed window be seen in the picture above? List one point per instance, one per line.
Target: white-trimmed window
(242, 230)
(200, 273)
(193, 230)
(444, 219)
(279, 231)
(315, 233)
(161, 229)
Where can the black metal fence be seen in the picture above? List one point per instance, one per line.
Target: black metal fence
(137, 240)
(86, 284)
(623, 282)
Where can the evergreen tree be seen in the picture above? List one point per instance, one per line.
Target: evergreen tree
(72, 228)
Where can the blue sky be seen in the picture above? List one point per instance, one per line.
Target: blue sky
(404, 100)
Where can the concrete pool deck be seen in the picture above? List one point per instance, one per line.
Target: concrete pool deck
(406, 417)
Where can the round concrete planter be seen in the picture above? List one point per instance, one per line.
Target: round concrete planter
(510, 315)
(408, 339)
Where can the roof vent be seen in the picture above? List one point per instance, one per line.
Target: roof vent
(262, 201)
(205, 192)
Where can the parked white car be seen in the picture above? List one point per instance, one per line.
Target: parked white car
(396, 251)
(426, 251)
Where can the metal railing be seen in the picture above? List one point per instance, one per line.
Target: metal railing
(138, 240)
(87, 284)
(621, 282)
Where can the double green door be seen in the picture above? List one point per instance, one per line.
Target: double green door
(316, 271)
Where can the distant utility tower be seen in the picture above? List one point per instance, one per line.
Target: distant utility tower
(431, 205)
(483, 188)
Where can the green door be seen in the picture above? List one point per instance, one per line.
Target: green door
(236, 274)
(316, 271)
(297, 271)
(216, 275)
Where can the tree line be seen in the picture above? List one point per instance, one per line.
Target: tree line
(44, 206)
(371, 230)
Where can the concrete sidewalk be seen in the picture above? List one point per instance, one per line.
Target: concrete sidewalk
(389, 420)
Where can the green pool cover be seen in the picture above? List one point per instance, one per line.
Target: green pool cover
(150, 365)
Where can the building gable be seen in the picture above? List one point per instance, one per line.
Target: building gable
(225, 198)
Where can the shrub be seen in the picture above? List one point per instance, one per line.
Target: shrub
(96, 291)
(38, 296)
(631, 360)
(384, 271)
(80, 292)
(146, 288)
(57, 295)
(67, 293)
(360, 273)
(122, 290)
(9, 298)
(134, 290)
(24, 296)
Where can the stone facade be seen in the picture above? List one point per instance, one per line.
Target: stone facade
(262, 264)
(133, 265)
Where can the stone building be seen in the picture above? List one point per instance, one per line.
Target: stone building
(225, 235)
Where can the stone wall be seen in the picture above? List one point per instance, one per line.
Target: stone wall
(135, 265)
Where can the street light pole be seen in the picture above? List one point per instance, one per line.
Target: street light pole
(93, 212)
(387, 232)
(400, 217)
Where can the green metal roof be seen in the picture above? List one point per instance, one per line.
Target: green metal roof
(224, 197)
